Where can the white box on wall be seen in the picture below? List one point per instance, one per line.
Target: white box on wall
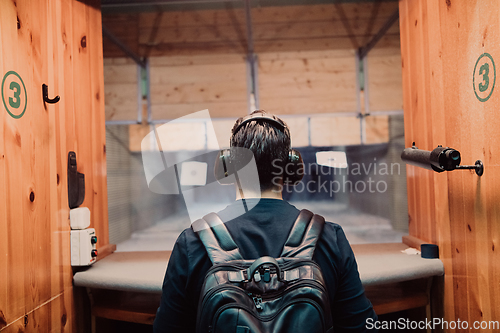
(83, 247)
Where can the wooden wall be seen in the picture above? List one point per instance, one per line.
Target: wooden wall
(384, 79)
(181, 85)
(306, 65)
(308, 81)
(121, 89)
(57, 42)
(441, 42)
(306, 59)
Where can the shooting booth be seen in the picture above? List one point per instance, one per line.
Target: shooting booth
(87, 84)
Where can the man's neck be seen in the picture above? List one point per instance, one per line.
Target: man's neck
(267, 194)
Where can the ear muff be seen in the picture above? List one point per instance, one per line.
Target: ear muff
(223, 167)
(294, 168)
(293, 171)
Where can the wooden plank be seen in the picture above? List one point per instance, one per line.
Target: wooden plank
(389, 299)
(377, 129)
(335, 131)
(179, 90)
(32, 150)
(125, 306)
(195, 60)
(131, 315)
(136, 135)
(82, 103)
(26, 169)
(440, 189)
(279, 28)
(268, 14)
(232, 34)
(121, 101)
(120, 73)
(65, 141)
(60, 273)
(126, 28)
(428, 230)
(385, 81)
(307, 85)
(222, 130)
(198, 83)
(42, 318)
(407, 67)
(453, 120)
(5, 37)
(95, 94)
(290, 83)
(261, 46)
(120, 89)
(223, 110)
(299, 130)
(182, 136)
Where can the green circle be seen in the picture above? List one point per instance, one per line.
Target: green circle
(474, 78)
(25, 95)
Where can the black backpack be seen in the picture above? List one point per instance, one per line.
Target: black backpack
(287, 294)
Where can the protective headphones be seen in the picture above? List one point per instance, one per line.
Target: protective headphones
(294, 167)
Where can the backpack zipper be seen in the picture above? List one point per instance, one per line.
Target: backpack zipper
(269, 317)
(260, 298)
(312, 283)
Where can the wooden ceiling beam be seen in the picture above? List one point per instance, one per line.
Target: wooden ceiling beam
(108, 34)
(363, 51)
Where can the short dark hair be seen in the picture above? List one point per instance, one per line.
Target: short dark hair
(268, 143)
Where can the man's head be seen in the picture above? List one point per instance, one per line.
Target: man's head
(270, 144)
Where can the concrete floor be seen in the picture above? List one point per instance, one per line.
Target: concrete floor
(360, 228)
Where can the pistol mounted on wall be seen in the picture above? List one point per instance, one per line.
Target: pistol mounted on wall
(440, 159)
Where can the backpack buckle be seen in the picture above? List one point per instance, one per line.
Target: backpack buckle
(267, 274)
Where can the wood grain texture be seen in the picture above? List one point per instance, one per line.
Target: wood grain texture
(121, 89)
(42, 42)
(307, 82)
(440, 44)
(275, 28)
(384, 79)
(180, 89)
(290, 83)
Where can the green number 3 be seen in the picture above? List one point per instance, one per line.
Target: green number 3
(484, 70)
(16, 101)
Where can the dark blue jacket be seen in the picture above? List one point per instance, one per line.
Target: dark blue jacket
(262, 231)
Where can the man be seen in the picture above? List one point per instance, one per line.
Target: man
(262, 231)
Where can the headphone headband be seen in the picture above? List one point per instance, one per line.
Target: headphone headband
(224, 167)
(262, 117)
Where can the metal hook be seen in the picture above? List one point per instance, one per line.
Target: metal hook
(45, 93)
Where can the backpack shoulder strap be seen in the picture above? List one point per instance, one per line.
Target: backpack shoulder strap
(304, 235)
(218, 242)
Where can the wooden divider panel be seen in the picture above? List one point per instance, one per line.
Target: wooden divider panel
(58, 43)
(450, 51)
